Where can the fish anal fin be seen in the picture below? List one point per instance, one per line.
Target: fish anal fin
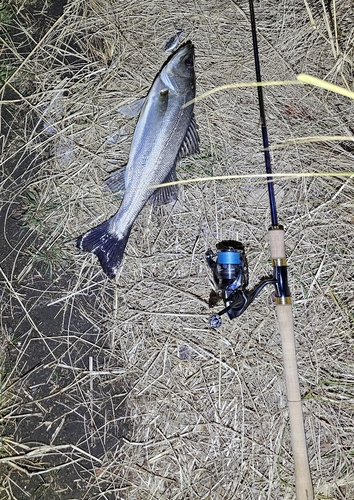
(168, 194)
(190, 144)
(115, 182)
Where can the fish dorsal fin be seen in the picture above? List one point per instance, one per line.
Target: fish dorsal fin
(115, 182)
(190, 144)
(168, 194)
(132, 109)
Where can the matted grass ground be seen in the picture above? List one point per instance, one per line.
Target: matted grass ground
(125, 391)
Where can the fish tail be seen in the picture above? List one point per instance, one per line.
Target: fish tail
(107, 246)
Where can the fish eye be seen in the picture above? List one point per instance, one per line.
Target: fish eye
(189, 62)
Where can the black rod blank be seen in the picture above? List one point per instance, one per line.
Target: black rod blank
(273, 208)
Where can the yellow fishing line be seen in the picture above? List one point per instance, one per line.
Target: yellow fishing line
(254, 176)
(317, 82)
(302, 78)
(309, 139)
(240, 85)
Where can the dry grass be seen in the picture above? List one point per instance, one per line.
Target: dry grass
(205, 411)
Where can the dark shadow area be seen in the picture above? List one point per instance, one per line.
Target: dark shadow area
(59, 413)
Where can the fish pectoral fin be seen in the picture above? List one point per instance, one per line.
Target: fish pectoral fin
(190, 144)
(133, 109)
(115, 182)
(168, 194)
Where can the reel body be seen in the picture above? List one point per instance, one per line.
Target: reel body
(230, 275)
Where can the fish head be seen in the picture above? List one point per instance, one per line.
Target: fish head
(178, 73)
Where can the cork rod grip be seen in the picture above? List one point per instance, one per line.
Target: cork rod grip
(303, 483)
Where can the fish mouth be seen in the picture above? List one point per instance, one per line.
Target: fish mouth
(182, 51)
(186, 47)
(186, 54)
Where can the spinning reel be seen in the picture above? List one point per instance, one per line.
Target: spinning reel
(230, 274)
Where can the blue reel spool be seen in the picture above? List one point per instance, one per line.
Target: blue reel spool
(228, 257)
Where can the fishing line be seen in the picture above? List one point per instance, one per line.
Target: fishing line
(228, 86)
(302, 79)
(278, 176)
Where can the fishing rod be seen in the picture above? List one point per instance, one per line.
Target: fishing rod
(230, 273)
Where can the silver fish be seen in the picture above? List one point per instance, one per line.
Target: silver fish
(165, 132)
(174, 41)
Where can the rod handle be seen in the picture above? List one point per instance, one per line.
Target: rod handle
(277, 243)
(303, 482)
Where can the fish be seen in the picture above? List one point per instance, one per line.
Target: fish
(174, 41)
(165, 132)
